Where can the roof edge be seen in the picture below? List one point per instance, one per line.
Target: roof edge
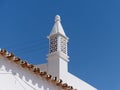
(32, 68)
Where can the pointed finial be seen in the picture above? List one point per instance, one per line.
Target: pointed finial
(57, 18)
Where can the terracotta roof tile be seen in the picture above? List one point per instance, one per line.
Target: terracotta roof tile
(24, 64)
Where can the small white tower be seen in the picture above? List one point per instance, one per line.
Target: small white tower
(58, 56)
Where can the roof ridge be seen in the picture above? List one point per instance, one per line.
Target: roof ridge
(24, 64)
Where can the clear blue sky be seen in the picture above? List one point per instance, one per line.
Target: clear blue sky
(93, 27)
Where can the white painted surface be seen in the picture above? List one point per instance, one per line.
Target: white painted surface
(77, 83)
(57, 66)
(43, 67)
(58, 61)
(14, 77)
(57, 58)
(57, 28)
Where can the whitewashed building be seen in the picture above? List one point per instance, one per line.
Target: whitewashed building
(16, 74)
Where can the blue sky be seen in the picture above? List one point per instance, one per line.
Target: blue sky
(93, 27)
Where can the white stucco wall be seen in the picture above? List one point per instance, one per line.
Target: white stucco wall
(58, 60)
(77, 83)
(14, 77)
(68, 78)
